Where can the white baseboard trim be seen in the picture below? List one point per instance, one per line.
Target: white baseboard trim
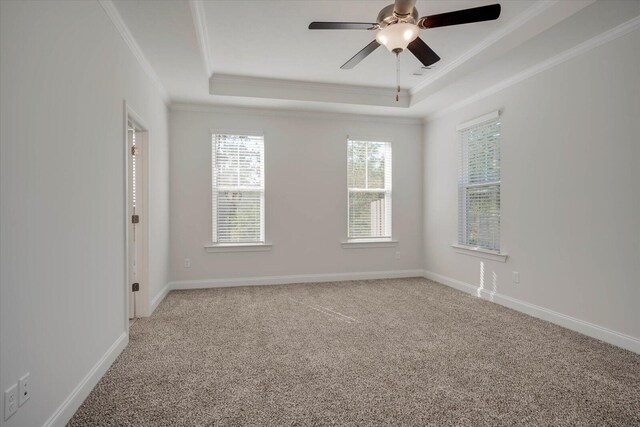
(595, 331)
(155, 302)
(65, 411)
(301, 278)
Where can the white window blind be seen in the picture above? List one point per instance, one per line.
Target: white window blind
(238, 188)
(369, 187)
(479, 184)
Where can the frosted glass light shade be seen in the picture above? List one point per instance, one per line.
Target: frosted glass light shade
(397, 36)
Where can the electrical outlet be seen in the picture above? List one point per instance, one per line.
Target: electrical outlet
(25, 389)
(398, 255)
(516, 277)
(10, 401)
(187, 263)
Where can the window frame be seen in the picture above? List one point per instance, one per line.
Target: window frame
(215, 245)
(372, 242)
(462, 245)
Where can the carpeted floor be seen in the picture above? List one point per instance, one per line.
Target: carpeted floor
(379, 352)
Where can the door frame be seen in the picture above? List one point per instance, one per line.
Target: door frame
(142, 297)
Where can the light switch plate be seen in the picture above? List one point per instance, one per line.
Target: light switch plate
(25, 389)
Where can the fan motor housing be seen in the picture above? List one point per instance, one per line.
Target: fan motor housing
(387, 17)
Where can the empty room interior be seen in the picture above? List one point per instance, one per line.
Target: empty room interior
(319, 212)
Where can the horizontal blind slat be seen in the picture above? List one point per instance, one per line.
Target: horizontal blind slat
(479, 186)
(238, 188)
(369, 174)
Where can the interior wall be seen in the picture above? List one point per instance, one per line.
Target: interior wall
(570, 189)
(64, 74)
(305, 195)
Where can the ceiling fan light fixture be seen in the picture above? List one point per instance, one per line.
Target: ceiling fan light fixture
(397, 36)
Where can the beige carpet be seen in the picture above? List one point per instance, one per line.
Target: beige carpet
(380, 352)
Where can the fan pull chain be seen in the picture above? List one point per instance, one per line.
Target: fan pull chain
(398, 76)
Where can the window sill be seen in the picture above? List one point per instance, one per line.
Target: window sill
(480, 253)
(238, 247)
(362, 244)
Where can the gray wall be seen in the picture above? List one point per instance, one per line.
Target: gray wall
(305, 195)
(570, 189)
(64, 73)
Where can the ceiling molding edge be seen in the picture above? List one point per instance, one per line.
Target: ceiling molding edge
(202, 33)
(112, 12)
(281, 112)
(493, 38)
(262, 87)
(300, 84)
(579, 49)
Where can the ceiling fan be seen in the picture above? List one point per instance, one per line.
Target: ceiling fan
(398, 26)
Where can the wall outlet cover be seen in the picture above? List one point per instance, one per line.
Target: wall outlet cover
(25, 389)
(10, 401)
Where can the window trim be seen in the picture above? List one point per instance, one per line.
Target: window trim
(369, 242)
(263, 245)
(459, 246)
(480, 252)
(237, 247)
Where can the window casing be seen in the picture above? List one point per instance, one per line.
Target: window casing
(369, 188)
(479, 184)
(237, 189)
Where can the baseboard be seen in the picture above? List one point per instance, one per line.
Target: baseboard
(595, 331)
(71, 404)
(155, 302)
(301, 278)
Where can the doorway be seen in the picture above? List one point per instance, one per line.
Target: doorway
(137, 217)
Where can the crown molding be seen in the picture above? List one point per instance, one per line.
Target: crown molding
(592, 43)
(202, 33)
(493, 38)
(278, 112)
(111, 11)
(259, 87)
(299, 84)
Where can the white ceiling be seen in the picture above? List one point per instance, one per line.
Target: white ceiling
(261, 54)
(275, 42)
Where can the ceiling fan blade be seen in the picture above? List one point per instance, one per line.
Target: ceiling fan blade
(342, 26)
(465, 16)
(403, 8)
(423, 52)
(360, 55)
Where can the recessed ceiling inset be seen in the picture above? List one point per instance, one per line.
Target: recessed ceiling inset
(398, 26)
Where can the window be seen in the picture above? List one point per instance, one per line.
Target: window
(369, 184)
(479, 185)
(238, 189)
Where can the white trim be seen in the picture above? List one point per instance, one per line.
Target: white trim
(125, 215)
(311, 86)
(296, 90)
(568, 54)
(302, 278)
(202, 33)
(256, 133)
(595, 331)
(65, 411)
(282, 112)
(142, 297)
(362, 244)
(471, 123)
(519, 21)
(124, 31)
(155, 302)
(480, 252)
(238, 247)
(368, 138)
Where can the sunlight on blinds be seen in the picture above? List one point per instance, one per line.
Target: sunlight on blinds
(369, 186)
(237, 188)
(479, 186)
